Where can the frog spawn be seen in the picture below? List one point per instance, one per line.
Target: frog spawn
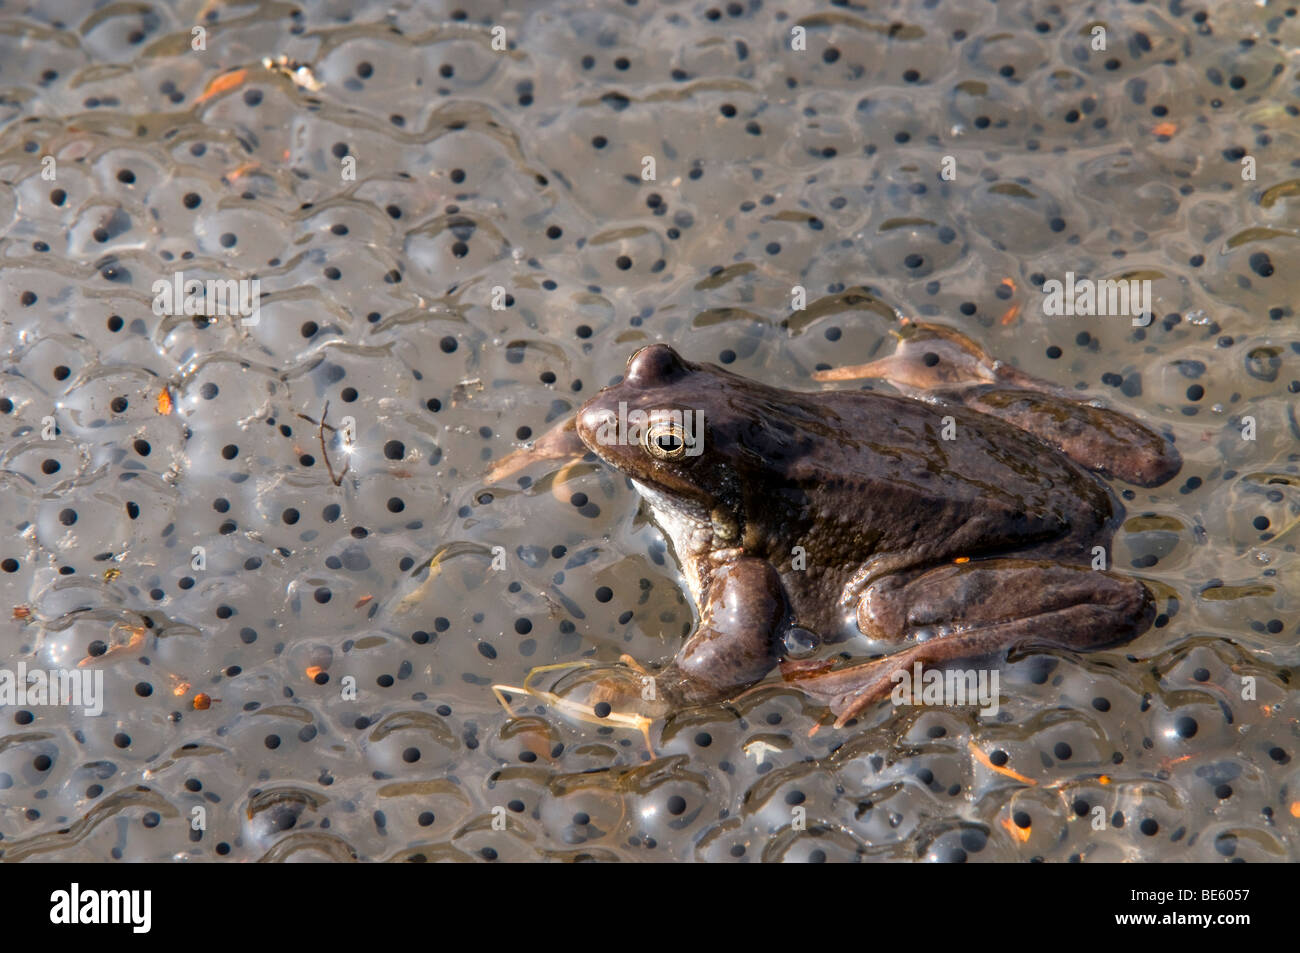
(1225, 792)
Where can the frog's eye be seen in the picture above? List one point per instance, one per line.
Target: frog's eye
(664, 440)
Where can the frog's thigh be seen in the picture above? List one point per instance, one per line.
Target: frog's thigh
(1053, 603)
(977, 609)
(736, 642)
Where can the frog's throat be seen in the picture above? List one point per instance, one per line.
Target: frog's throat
(688, 528)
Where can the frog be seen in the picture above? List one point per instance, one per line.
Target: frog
(957, 515)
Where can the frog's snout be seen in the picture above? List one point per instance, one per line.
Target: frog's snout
(597, 424)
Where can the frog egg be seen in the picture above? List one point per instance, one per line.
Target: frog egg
(732, 841)
(585, 817)
(311, 661)
(1238, 843)
(528, 745)
(609, 694)
(670, 812)
(957, 846)
(305, 847)
(32, 763)
(415, 811)
(1205, 714)
(409, 743)
(1032, 823)
(712, 735)
(270, 812)
(1147, 541)
(791, 798)
(520, 790)
(480, 840)
(817, 845)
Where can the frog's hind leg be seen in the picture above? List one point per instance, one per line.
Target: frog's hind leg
(1093, 437)
(937, 363)
(975, 609)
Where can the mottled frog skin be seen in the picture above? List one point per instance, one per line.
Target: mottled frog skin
(952, 521)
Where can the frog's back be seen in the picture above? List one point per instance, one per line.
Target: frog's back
(924, 481)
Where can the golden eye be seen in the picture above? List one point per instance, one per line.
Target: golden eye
(664, 440)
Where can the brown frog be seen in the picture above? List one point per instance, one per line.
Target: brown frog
(956, 520)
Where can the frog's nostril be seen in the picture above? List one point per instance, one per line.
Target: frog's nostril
(655, 363)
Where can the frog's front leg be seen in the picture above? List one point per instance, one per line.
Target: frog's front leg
(975, 609)
(738, 639)
(561, 442)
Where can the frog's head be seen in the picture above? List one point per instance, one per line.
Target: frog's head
(690, 436)
(654, 424)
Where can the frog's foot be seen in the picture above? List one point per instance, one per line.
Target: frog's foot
(559, 443)
(975, 609)
(734, 646)
(599, 694)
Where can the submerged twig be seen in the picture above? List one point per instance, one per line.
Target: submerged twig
(324, 451)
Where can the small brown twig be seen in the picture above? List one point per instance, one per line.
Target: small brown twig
(315, 423)
(325, 454)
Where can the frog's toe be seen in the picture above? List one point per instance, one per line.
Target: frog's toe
(627, 692)
(601, 693)
(845, 691)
